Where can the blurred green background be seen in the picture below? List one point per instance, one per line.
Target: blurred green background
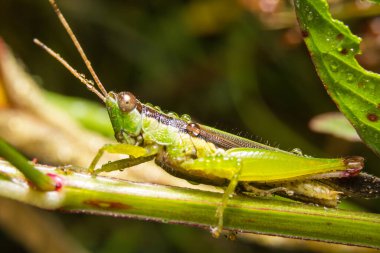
(237, 65)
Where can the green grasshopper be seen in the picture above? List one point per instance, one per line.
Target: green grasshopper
(202, 154)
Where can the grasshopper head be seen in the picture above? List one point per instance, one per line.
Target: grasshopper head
(124, 116)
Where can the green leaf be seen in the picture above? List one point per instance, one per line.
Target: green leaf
(333, 47)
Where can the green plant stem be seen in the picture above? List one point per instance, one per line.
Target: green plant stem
(40, 180)
(106, 196)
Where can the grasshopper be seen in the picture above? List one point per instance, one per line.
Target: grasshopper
(202, 154)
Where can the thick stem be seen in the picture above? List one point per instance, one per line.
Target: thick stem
(105, 196)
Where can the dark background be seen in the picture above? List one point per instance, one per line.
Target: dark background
(239, 66)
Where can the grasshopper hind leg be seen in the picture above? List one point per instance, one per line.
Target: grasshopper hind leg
(220, 171)
(251, 190)
(215, 231)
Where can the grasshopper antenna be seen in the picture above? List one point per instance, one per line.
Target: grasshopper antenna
(88, 83)
(78, 47)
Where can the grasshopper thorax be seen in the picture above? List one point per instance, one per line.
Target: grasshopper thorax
(125, 117)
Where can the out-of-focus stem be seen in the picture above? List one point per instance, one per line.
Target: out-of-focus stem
(37, 178)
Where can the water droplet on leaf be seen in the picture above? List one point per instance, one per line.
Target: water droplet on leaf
(350, 77)
(310, 16)
(333, 66)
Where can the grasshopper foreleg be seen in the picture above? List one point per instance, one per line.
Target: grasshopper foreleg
(137, 155)
(123, 163)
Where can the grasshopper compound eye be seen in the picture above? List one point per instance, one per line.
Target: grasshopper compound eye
(126, 101)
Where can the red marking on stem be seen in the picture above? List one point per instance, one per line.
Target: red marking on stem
(305, 33)
(58, 181)
(106, 204)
